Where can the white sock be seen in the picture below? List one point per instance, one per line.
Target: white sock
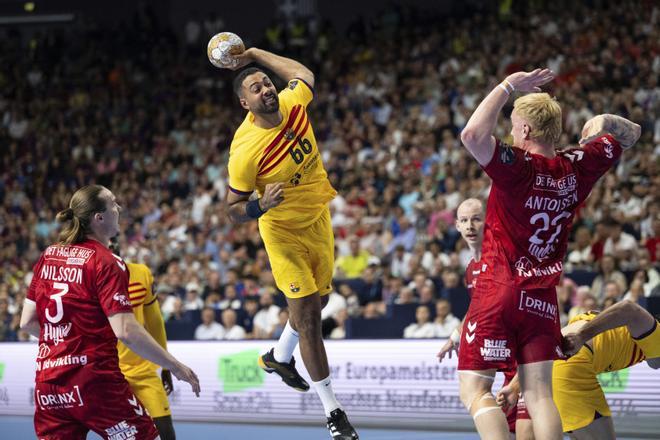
(327, 395)
(286, 344)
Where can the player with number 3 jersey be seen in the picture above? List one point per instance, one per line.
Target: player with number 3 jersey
(535, 192)
(77, 305)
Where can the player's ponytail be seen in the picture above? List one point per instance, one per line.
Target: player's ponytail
(77, 217)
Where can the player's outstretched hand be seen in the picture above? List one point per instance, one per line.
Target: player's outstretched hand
(273, 196)
(182, 372)
(447, 349)
(572, 342)
(624, 131)
(530, 81)
(166, 377)
(507, 397)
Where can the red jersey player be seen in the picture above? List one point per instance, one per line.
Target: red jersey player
(470, 223)
(77, 305)
(535, 192)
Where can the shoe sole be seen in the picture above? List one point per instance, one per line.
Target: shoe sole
(270, 370)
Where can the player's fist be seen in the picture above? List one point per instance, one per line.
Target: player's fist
(530, 81)
(182, 372)
(507, 397)
(273, 196)
(572, 342)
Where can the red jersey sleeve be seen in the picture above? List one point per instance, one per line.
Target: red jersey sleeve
(595, 158)
(32, 290)
(508, 166)
(112, 285)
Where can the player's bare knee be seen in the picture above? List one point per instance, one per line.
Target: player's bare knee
(482, 404)
(309, 324)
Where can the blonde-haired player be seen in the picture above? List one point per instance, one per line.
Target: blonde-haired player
(140, 373)
(533, 199)
(274, 153)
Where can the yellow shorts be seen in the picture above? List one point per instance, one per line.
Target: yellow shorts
(650, 344)
(577, 392)
(302, 260)
(149, 389)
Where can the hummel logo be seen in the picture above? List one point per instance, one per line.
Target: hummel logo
(138, 410)
(469, 336)
(120, 263)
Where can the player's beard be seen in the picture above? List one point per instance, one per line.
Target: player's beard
(270, 106)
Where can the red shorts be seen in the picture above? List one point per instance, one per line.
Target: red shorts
(68, 412)
(521, 410)
(506, 325)
(511, 413)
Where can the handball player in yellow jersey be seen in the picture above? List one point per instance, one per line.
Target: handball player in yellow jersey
(621, 336)
(140, 373)
(276, 176)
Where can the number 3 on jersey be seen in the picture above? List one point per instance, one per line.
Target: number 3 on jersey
(298, 154)
(59, 306)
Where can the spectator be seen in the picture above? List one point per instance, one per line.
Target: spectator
(585, 302)
(353, 264)
(423, 328)
(7, 329)
(620, 244)
(209, 328)
(580, 255)
(192, 299)
(400, 266)
(266, 318)
(607, 273)
(339, 332)
(231, 330)
(283, 317)
(445, 323)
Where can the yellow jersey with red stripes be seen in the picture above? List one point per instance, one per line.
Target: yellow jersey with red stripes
(140, 294)
(613, 349)
(287, 153)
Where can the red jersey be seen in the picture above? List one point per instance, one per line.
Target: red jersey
(531, 207)
(472, 271)
(75, 288)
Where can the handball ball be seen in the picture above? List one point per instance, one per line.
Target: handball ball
(221, 48)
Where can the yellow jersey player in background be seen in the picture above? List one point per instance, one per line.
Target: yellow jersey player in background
(274, 153)
(621, 336)
(140, 373)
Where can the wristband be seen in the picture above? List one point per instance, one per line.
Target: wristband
(503, 87)
(253, 210)
(455, 336)
(508, 85)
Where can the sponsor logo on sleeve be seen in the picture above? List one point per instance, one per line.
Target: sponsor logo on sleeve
(293, 84)
(121, 299)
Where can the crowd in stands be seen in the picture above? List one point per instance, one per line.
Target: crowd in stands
(139, 110)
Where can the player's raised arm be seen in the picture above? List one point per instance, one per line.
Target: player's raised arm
(477, 136)
(626, 312)
(285, 68)
(624, 131)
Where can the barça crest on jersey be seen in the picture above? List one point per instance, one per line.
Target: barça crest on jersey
(294, 287)
(290, 134)
(293, 84)
(507, 156)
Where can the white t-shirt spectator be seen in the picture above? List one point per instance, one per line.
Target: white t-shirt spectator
(235, 333)
(419, 331)
(205, 332)
(267, 319)
(443, 330)
(626, 243)
(336, 302)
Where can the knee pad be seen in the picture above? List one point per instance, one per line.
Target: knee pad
(482, 404)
